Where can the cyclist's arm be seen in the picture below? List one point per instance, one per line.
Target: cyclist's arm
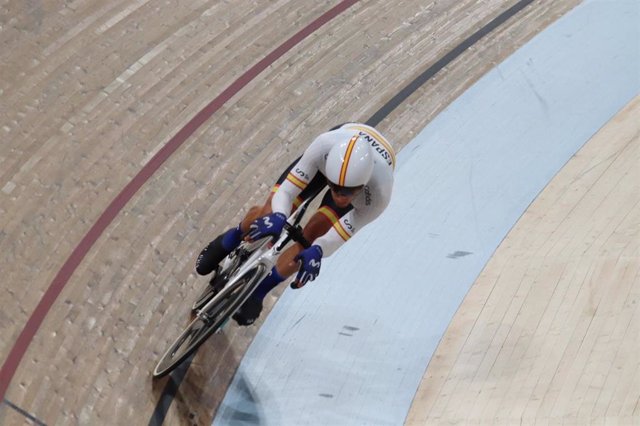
(299, 177)
(351, 223)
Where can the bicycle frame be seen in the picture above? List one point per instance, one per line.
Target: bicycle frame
(264, 252)
(242, 272)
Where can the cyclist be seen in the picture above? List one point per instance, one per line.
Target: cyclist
(356, 162)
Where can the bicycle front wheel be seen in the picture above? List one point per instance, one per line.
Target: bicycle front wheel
(207, 323)
(212, 288)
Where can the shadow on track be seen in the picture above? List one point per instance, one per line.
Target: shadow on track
(199, 384)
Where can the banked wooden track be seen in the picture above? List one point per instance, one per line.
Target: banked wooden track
(90, 91)
(549, 332)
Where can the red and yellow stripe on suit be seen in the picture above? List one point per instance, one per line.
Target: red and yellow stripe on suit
(296, 202)
(335, 220)
(297, 182)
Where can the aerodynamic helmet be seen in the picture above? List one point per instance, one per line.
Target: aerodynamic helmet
(350, 163)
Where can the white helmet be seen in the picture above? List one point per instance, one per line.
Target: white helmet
(350, 163)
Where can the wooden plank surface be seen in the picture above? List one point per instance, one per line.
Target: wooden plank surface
(90, 90)
(549, 333)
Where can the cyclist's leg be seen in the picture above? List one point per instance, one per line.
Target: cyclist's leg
(224, 243)
(252, 307)
(326, 216)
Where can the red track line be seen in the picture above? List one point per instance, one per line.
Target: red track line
(46, 302)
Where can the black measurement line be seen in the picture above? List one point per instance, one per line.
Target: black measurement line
(408, 90)
(24, 413)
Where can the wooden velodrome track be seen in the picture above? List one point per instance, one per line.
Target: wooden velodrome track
(91, 91)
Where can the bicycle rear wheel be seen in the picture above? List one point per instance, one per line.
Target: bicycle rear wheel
(205, 324)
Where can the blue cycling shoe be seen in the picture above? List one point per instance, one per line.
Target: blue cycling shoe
(248, 312)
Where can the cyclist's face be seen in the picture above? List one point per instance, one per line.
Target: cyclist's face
(342, 200)
(342, 195)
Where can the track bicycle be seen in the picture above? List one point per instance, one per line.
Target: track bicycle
(235, 280)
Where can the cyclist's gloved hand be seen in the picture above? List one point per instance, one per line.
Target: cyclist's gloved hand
(269, 225)
(310, 260)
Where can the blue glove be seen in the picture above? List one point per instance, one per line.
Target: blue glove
(265, 226)
(310, 259)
